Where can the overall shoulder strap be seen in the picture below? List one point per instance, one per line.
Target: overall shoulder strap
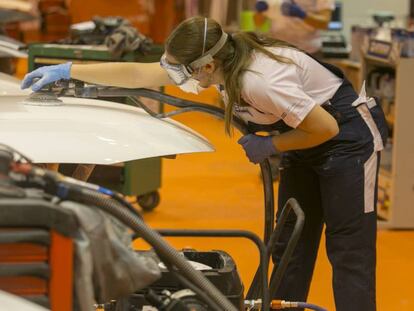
(332, 68)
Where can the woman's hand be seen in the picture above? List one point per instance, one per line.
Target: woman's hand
(292, 9)
(46, 75)
(257, 148)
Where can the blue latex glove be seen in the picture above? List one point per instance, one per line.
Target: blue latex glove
(290, 8)
(257, 148)
(46, 75)
(261, 6)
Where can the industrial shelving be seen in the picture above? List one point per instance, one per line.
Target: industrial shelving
(396, 177)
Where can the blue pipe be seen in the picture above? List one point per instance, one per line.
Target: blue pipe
(310, 306)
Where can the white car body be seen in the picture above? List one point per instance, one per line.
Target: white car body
(88, 131)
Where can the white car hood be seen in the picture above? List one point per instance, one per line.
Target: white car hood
(90, 131)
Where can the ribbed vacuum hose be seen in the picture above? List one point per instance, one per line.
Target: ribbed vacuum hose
(162, 247)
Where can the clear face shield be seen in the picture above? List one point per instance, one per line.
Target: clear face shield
(182, 74)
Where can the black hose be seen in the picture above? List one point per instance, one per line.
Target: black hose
(119, 198)
(156, 241)
(140, 104)
(269, 219)
(256, 288)
(280, 268)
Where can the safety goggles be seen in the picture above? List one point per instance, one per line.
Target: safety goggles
(180, 73)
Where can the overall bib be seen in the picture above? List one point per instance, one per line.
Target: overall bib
(335, 183)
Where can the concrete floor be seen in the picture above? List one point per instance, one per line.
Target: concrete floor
(222, 190)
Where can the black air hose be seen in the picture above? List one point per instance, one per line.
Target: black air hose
(279, 270)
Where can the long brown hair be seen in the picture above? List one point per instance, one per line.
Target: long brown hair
(185, 44)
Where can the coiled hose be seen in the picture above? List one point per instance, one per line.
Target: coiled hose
(155, 240)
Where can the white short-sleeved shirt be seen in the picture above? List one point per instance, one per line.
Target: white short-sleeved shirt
(278, 91)
(294, 30)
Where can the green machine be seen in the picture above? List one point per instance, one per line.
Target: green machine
(140, 178)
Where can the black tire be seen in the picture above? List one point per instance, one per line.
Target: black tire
(149, 201)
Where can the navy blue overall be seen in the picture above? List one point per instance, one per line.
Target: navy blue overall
(335, 184)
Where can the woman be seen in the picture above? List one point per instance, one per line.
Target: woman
(328, 137)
